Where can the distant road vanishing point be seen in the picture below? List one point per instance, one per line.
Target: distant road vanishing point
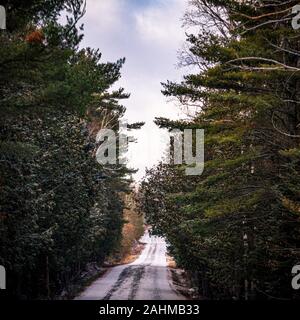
(147, 278)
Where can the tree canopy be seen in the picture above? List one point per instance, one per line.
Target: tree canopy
(236, 227)
(59, 208)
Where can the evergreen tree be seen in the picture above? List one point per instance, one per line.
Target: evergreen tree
(237, 226)
(59, 208)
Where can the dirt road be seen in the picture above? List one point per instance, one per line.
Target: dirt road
(147, 278)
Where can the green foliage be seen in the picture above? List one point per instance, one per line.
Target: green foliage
(59, 208)
(236, 227)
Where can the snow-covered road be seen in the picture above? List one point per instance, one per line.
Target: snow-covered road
(147, 278)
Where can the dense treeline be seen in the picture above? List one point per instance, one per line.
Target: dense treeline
(59, 208)
(236, 227)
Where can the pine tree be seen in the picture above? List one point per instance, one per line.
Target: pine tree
(59, 208)
(239, 225)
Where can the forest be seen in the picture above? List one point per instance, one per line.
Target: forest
(235, 229)
(59, 208)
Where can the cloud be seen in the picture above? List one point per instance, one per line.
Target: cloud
(105, 15)
(160, 23)
(149, 34)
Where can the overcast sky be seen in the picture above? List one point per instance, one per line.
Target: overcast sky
(148, 34)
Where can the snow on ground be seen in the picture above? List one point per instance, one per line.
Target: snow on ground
(147, 278)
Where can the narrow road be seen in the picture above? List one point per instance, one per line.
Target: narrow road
(147, 278)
